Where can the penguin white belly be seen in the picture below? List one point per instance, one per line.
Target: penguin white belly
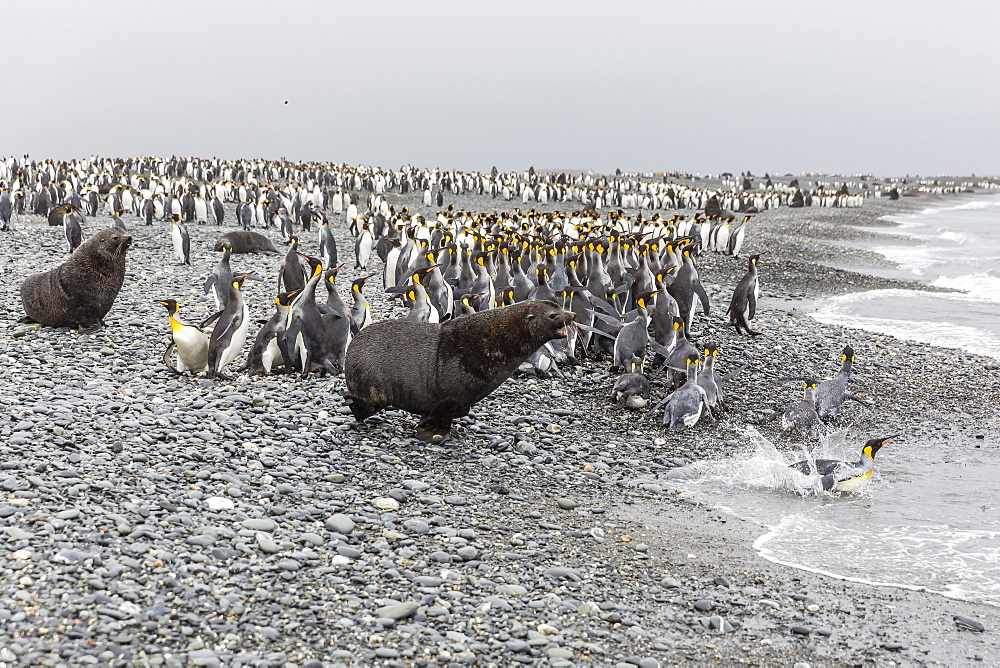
(853, 484)
(692, 418)
(192, 349)
(178, 244)
(239, 338)
(301, 352)
(270, 354)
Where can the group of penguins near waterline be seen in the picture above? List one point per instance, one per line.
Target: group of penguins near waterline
(632, 283)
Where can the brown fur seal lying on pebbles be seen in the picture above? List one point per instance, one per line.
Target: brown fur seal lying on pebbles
(245, 242)
(438, 371)
(79, 292)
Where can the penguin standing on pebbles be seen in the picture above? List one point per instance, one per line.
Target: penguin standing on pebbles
(218, 282)
(632, 388)
(190, 342)
(684, 406)
(230, 331)
(181, 239)
(73, 228)
(743, 305)
(268, 352)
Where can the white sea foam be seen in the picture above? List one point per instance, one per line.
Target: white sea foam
(850, 311)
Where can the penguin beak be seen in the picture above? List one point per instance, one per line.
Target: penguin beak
(888, 438)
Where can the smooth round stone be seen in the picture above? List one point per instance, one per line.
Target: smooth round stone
(266, 543)
(340, 523)
(386, 503)
(70, 514)
(566, 503)
(416, 525)
(260, 524)
(467, 553)
(398, 611)
(219, 503)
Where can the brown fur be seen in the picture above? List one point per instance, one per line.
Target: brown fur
(242, 241)
(440, 371)
(79, 292)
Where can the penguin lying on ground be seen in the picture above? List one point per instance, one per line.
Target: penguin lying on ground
(632, 388)
(841, 476)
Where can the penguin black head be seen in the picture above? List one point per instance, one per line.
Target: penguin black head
(873, 446)
(848, 356)
(171, 305)
(285, 298)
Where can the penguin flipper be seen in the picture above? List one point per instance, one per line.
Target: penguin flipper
(859, 400)
(210, 319)
(169, 363)
(594, 330)
(752, 304)
(212, 280)
(699, 290)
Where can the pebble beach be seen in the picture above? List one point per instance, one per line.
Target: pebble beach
(150, 519)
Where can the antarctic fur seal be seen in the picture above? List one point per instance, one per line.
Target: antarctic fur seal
(242, 241)
(438, 371)
(79, 292)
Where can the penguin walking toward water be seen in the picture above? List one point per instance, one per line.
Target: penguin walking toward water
(181, 239)
(801, 418)
(73, 227)
(230, 331)
(840, 476)
(684, 406)
(743, 305)
(831, 394)
(190, 342)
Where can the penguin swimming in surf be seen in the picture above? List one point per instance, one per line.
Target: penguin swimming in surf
(841, 476)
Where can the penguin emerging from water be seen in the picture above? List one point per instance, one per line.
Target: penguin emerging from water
(743, 305)
(181, 239)
(73, 228)
(190, 342)
(841, 476)
(230, 331)
(220, 279)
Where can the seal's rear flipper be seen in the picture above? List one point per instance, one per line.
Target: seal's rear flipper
(434, 428)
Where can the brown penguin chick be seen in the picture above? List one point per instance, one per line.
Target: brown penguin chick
(79, 292)
(439, 371)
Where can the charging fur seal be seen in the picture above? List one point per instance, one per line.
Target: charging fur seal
(245, 242)
(438, 371)
(79, 292)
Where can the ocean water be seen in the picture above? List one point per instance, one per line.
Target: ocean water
(924, 521)
(950, 244)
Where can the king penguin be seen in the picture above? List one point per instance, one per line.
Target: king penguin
(840, 476)
(73, 228)
(743, 305)
(182, 240)
(230, 331)
(190, 342)
(220, 279)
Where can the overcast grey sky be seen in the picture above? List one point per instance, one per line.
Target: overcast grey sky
(873, 86)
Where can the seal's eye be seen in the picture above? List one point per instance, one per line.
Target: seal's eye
(552, 316)
(115, 238)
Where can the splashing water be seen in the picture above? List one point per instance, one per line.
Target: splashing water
(922, 522)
